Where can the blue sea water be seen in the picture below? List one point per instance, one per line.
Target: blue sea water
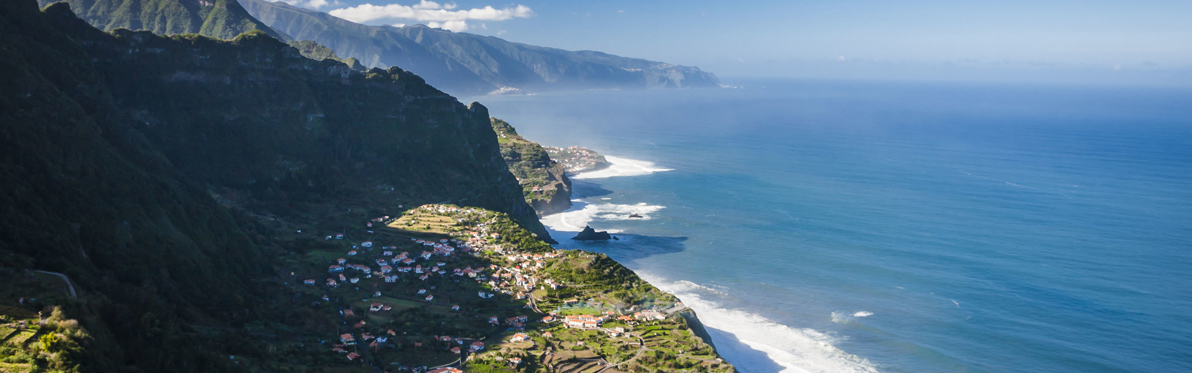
(898, 227)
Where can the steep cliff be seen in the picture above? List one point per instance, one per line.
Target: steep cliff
(544, 183)
(113, 145)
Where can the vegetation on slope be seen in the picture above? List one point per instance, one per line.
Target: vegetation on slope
(187, 187)
(221, 19)
(112, 147)
(318, 52)
(468, 64)
(534, 288)
(544, 183)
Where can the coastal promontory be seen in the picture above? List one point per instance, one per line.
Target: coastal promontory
(544, 182)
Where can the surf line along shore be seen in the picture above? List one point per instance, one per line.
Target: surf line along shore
(749, 341)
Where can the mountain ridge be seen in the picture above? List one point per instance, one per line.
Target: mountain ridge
(221, 19)
(463, 63)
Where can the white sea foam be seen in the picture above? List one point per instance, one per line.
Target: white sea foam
(839, 318)
(863, 314)
(622, 167)
(739, 335)
(574, 219)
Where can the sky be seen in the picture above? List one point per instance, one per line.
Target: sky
(1144, 42)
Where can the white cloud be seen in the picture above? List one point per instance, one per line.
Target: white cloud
(457, 26)
(312, 4)
(434, 14)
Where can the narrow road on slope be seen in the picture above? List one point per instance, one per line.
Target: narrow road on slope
(69, 286)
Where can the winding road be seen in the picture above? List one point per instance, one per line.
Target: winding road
(69, 285)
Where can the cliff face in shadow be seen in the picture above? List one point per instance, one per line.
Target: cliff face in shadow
(142, 166)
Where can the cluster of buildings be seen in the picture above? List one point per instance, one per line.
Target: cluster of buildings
(518, 275)
(577, 159)
(583, 321)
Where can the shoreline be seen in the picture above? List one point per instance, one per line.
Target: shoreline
(744, 339)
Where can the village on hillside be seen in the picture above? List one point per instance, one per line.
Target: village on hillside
(447, 289)
(577, 159)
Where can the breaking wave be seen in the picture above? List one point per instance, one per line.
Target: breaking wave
(574, 219)
(621, 167)
(740, 335)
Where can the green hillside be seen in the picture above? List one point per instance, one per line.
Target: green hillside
(544, 182)
(318, 52)
(162, 174)
(221, 19)
(469, 64)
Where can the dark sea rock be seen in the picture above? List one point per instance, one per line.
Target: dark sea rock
(589, 234)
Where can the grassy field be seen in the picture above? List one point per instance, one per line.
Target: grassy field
(423, 223)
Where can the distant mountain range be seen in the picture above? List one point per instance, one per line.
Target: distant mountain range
(458, 63)
(462, 63)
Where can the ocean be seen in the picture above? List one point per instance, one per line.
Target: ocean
(821, 226)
